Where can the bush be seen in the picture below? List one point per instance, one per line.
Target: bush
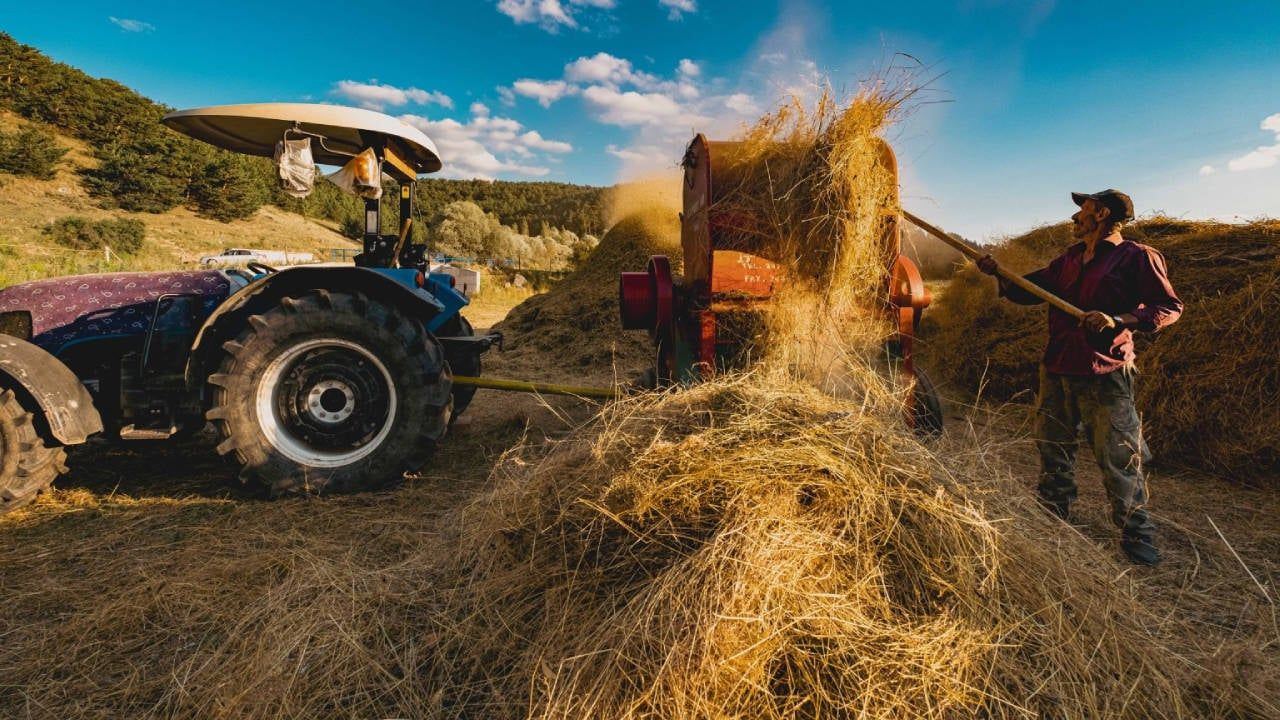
(145, 174)
(352, 227)
(30, 151)
(124, 236)
(229, 187)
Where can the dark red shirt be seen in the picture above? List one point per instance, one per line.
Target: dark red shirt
(1122, 278)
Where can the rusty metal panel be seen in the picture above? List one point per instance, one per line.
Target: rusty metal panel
(742, 274)
(695, 233)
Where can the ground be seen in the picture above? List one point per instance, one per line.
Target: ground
(162, 527)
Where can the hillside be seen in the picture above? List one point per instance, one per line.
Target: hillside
(144, 167)
(175, 238)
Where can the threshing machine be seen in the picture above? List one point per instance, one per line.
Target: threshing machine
(692, 318)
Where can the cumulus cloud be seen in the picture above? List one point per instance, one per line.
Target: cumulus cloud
(629, 107)
(376, 97)
(485, 146)
(742, 103)
(534, 140)
(133, 26)
(545, 92)
(550, 15)
(1264, 156)
(689, 68)
(479, 108)
(677, 8)
(1207, 170)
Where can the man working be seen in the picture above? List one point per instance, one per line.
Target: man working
(1087, 373)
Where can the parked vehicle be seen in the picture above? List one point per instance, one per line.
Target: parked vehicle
(244, 256)
(316, 378)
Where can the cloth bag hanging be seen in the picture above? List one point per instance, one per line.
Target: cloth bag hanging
(295, 167)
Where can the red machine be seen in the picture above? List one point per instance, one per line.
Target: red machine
(695, 320)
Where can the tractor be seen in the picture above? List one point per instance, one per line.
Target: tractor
(316, 378)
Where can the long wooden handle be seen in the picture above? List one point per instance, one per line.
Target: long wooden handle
(976, 254)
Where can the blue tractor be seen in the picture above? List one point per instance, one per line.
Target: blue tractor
(316, 378)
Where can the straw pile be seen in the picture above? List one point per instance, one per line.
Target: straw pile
(755, 549)
(573, 333)
(1199, 381)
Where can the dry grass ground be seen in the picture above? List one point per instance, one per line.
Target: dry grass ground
(749, 548)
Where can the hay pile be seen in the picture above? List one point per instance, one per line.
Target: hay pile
(1200, 381)
(573, 332)
(751, 549)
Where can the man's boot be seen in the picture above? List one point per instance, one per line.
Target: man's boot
(1140, 549)
(1056, 507)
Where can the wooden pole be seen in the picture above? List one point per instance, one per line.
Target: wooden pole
(976, 254)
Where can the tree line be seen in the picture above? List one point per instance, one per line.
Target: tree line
(146, 167)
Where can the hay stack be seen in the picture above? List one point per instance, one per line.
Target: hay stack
(1200, 381)
(573, 332)
(749, 549)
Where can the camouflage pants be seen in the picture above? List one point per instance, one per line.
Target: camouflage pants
(1103, 404)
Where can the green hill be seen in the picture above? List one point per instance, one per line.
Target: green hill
(133, 163)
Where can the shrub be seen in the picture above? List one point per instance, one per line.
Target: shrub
(353, 227)
(123, 236)
(228, 188)
(149, 173)
(30, 151)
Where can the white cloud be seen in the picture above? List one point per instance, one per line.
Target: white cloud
(534, 140)
(506, 96)
(1265, 156)
(475, 149)
(479, 108)
(678, 7)
(133, 26)
(625, 153)
(629, 107)
(375, 97)
(601, 68)
(689, 68)
(550, 15)
(545, 92)
(742, 103)
(1207, 170)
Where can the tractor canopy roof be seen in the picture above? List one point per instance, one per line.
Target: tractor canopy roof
(340, 132)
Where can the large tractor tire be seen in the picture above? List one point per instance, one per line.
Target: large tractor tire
(28, 465)
(329, 392)
(462, 363)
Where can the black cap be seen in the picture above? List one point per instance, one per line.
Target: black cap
(1118, 203)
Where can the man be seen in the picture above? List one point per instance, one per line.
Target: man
(1086, 376)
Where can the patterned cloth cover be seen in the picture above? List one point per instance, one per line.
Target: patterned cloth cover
(66, 309)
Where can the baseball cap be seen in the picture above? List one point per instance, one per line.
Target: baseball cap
(1118, 203)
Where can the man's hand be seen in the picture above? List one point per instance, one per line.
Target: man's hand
(988, 265)
(1097, 322)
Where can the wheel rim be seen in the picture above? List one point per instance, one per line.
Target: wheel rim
(326, 402)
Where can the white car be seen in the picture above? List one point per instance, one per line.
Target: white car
(241, 256)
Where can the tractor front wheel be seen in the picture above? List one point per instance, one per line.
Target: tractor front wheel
(330, 392)
(27, 464)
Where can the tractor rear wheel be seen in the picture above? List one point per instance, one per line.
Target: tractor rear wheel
(27, 464)
(330, 392)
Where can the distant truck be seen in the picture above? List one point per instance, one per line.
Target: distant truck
(243, 256)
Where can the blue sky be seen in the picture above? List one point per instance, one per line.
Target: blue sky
(1176, 103)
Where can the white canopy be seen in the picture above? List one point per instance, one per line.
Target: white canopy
(254, 130)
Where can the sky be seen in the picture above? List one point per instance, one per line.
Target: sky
(1019, 102)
